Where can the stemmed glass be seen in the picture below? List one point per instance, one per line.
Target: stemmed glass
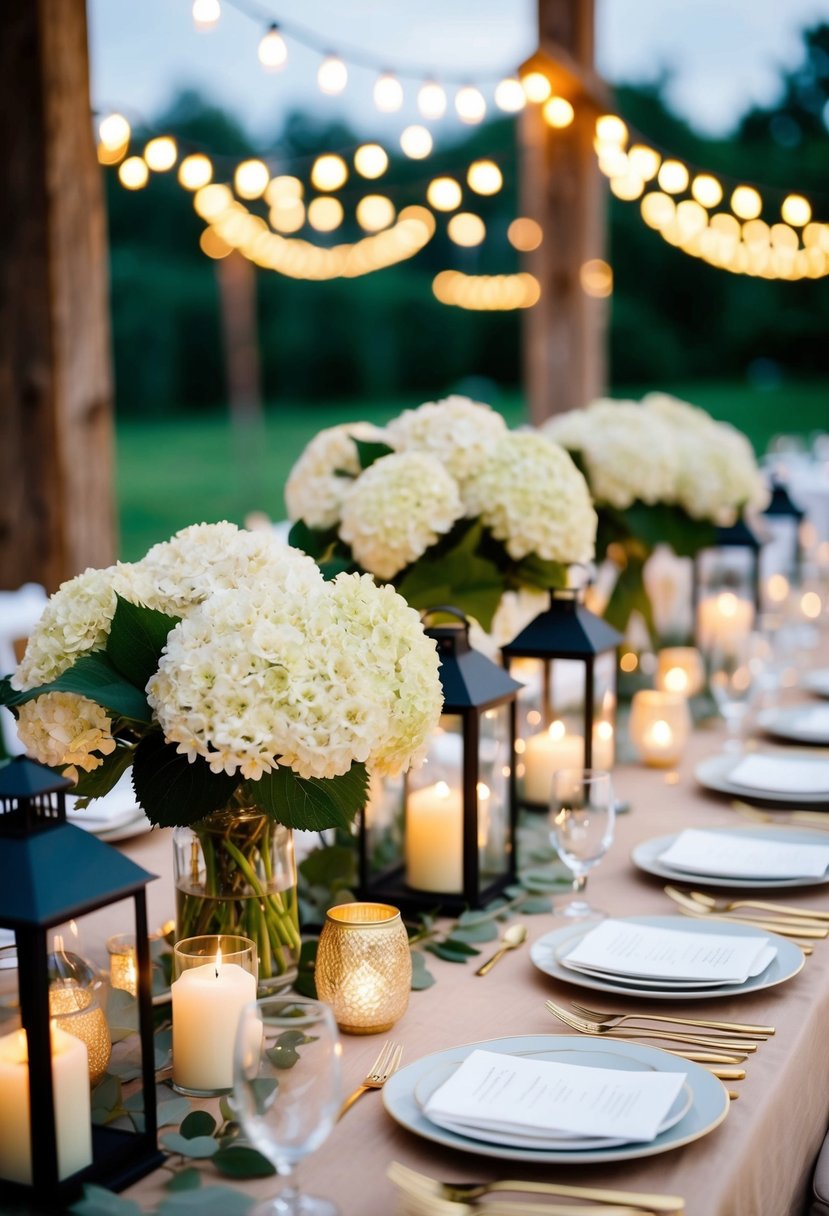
(735, 665)
(287, 1089)
(582, 818)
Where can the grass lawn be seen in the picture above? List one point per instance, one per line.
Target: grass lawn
(183, 470)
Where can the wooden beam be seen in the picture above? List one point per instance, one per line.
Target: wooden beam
(561, 187)
(56, 508)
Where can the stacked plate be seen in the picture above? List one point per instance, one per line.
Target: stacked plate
(817, 682)
(113, 817)
(748, 858)
(667, 957)
(461, 1098)
(797, 724)
(766, 777)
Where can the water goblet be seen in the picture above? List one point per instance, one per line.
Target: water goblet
(735, 667)
(582, 819)
(287, 1089)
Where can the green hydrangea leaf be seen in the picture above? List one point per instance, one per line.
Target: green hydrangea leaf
(312, 803)
(241, 1161)
(171, 789)
(136, 638)
(369, 450)
(93, 676)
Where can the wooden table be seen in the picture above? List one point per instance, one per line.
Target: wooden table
(758, 1163)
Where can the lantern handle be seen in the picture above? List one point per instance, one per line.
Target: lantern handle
(447, 610)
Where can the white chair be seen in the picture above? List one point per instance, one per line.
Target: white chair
(19, 613)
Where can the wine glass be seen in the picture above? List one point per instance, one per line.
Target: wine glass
(735, 666)
(287, 1089)
(582, 818)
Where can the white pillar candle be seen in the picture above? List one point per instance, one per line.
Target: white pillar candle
(545, 752)
(604, 745)
(723, 618)
(679, 669)
(207, 1001)
(73, 1120)
(434, 839)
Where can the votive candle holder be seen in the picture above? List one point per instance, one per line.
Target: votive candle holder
(364, 966)
(659, 726)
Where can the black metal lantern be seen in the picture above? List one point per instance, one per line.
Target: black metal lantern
(52, 872)
(566, 660)
(781, 553)
(446, 835)
(726, 584)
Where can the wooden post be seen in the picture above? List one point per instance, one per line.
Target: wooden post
(56, 505)
(561, 187)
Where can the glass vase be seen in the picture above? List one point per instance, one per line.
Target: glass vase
(235, 873)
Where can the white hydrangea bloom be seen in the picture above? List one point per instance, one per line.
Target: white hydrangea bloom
(532, 497)
(456, 430)
(397, 509)
(254, 679)
(628, 454)
(61, 728)
(323, 474)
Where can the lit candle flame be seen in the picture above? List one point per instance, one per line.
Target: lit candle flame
(218, 962)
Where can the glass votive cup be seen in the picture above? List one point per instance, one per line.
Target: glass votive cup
(214, 977)
(364, 966)
(76, 1011)
(123, 963)
(680, 669)
(659, 726)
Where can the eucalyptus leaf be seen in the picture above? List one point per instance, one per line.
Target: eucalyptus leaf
(207, 1201)
(444, 952)
(172, 1110)
(421, 975)
(284, 1052)
(198, 1147)
(461, 947)
(483, 931)
(171, 789)
(99, 1202)
(107, 1093)
(329, 865)
(122, 1014)
(198, 1123)
(241, 1161)
(136, 639)
(535, 905)
(184, 1180)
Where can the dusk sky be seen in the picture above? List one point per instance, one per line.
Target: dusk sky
(723, 54)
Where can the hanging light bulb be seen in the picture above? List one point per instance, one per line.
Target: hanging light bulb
(484, 177)
(509, 95)
(272, 49)
(746, 203)
(536, 87)
(160, 154)
(558, 112)
(195, 171)
(610, 129)
(416, 142)
(332, 76)
(251, 178)
(133, 173)
(431, 100)
(643, 161)
(706, 190)
(525, 234)
(388, 93)
(283, 187)
(466, 229)
(114, 132)
(370, 160)
(444, 194)
(325, 214)
(375, 212)
(470, 104)
(329, 172)
(796, 210)
(206, 13)
(672, 176)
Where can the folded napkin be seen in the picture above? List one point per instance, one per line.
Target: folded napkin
(112, 810)
(531, 1098)
(813, 719)
(782, 774)
(623, 948)
(743, 856)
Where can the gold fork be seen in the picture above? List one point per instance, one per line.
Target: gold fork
(614, 1018)
(386, 1063)
(787, 910)
(712, 1042)
(755, 814)
(460, 1192)
(783, 928)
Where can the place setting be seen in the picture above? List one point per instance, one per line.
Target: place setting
(768, 778)
(743, 858)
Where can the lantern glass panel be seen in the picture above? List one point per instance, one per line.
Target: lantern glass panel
(494, 793)
(725, 594)
(434, 813)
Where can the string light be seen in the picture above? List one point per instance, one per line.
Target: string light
(213, 245)
(283, 187)
(212, 201)
(161, 153)
(486, 293)
(431, 100)
(251, 178)
(525, 234)
(706, 190)
(627, 186)
(611, 130)
(484, 177)
(133, 173)
(536, 87)
(375, 212)
(643, 161)
(796, 210)
(470, 105)
(444, 194)
(114, 132)
(287, 214)
(325, 214)
(371, 161)
(657, 209)
(466, 229)
(329, 172)
(691, 217)
(509, 95)
(416, 142)
(558, 112)
(388, 93)
(272, 51)
(596, 278)
(206, 13)
(332, 76)
(672, 176)
(746, 203)
(195, 171)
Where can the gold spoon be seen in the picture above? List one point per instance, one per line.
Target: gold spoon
(513, 936)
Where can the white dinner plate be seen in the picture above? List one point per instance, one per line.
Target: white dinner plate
(647, 857)
(817, 682)
(793, 724)
(545, 951)
(709, 1100)
(714, 774)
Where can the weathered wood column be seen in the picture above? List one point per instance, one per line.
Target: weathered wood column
(56, 500)
(564, 334)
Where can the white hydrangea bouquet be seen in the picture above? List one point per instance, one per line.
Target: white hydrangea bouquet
(445, 503)
(661, 471)
(223, 664)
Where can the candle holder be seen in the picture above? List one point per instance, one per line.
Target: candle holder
(214, 977)
(730, 568)
(364, 966)
(77, 1011)
(680, 669)
(51, 872)
(122, 969)
(659, 726)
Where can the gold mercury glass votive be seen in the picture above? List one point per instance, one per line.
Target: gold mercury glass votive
(364, 966)
(660, 724)
(76, 1011)
(123, 964)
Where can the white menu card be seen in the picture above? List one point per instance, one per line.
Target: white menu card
(616, 947)
(782, 774)
(744, 856)
(495, 1092)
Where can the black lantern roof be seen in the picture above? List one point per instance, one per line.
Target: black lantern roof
(469, 679)
(567, 630)
(738, 536)
(781, 503)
